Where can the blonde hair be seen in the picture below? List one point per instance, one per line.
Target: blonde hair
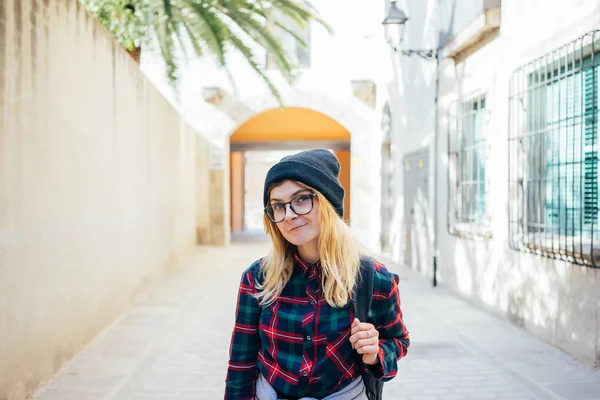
(338, 250)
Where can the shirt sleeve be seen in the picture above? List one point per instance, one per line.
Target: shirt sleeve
(386, 316)
(245, 342)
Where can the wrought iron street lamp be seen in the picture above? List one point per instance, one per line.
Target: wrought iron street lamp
(394, 24)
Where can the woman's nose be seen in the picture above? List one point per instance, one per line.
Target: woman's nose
(291, 214)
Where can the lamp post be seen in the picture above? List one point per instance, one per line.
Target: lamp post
(394, 24)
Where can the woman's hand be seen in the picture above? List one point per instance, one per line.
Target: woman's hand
(365, 340)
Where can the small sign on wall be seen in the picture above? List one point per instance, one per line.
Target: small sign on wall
(216, 157)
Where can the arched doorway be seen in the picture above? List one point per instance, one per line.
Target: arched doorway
(363, 124)
(264, 139)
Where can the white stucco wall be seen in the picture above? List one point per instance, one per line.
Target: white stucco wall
(412, 91)
(555, 300)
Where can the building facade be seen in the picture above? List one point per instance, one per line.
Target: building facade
(496, 160)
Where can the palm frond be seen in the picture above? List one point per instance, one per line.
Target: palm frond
(301, 12)
(250, 59)
(164, 35)
(290, 31)
(210, 27)
(262, 35)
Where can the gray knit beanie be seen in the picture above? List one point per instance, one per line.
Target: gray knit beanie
(317, 168)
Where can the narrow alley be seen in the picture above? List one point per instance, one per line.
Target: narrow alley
(461, 139)
(173, 345)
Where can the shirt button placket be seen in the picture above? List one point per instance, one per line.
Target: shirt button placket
(303, 380)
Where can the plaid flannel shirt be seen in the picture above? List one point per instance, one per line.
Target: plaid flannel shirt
(300, 344)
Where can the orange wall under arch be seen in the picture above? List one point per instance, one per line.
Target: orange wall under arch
(289, 124)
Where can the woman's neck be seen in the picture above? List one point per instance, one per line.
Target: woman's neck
(309, 252)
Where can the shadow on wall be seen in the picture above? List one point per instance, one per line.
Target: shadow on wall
(553, 299)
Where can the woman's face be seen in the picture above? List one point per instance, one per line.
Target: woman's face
(296, 229)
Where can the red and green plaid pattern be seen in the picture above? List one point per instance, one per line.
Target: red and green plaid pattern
(301, 344)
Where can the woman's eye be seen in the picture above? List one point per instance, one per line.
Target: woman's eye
(277, 206)
(302, 199)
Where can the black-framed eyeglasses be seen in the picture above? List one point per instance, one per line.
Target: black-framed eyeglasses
(301, 205)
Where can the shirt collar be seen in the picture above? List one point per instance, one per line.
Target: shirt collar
(306, 267)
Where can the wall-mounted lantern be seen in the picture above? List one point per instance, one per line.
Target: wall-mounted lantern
(394, 24)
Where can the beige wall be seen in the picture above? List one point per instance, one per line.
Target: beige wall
(98, 186)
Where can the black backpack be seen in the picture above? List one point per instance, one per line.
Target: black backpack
(362, 305)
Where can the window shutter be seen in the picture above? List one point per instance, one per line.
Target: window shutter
(590, 128)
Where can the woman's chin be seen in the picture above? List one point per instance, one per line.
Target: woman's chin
(299, 238)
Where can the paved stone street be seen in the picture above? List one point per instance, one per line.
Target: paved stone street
(174, 344)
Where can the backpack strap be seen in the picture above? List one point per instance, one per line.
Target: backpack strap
(364, 289)
(362, 304)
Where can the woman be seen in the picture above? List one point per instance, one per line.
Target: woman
(295, 335)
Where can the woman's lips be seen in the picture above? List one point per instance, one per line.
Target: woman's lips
(297, 227)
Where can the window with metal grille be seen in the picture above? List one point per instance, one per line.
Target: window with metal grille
(467, 178)
(553, 153)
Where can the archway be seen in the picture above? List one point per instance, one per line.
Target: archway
(262, 140)
(363, 124)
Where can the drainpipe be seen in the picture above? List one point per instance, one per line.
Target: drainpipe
(435, 167)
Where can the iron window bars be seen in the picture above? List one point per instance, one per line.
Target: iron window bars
(553, 153)
(467, 179)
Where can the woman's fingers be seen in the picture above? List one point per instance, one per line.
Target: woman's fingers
(368, 349)
(361, 326)
(366, 343)
(364, 338)
(364, 334)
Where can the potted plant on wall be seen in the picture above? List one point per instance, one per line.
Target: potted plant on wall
(125, 20)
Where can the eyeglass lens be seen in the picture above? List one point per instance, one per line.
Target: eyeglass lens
(300, 205)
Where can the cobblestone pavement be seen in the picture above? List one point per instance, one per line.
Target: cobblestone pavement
(174, 345)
